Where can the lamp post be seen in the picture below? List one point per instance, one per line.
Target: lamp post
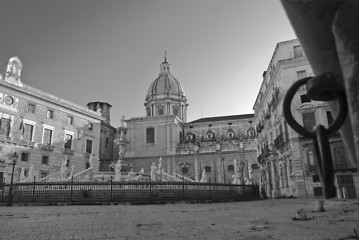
(242, 165)
(13, 159)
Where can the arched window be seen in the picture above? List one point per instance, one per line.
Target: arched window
(251, 132)
(210, 135)
(185, 170)
(230, 133)
(230, 168)
(207, 169)
(175, 110)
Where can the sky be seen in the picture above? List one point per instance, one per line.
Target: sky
(111, 50)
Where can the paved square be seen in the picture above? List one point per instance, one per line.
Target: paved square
(264, 219)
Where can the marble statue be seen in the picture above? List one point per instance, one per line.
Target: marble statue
(22, 175)
(159, 168)
(236, 179)
(204, 177)
(153, 172)
(121, 151)
(31, 173)
(118, 170)
(123, 123)
(72, 171)
(63, 168)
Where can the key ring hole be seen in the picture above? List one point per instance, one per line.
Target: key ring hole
(338, 122)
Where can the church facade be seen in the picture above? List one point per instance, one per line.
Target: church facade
(215, 145)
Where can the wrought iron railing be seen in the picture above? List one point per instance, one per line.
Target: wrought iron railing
(123, 192)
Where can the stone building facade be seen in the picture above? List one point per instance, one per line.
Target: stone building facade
(42, 129)
(214, 145)
(287, 159)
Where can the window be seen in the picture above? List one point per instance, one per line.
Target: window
(107, 143)
(148, 110)
(310, 158)
(89, 146)
(31, 108)
(209, 136)
(230, 135)
(230, 168)
(298, 51)
(207, 169)
(24, 157)
(47, 138)
(27, 132)
(90, 126)
(301, 74)
(70, 120)
(304, 98)
(339, 157)
(5, 126)
(185, 170)
(50, 114)
(318, 191)
(175, 111)
(150, 135)
(229, 124)
(88, 165)
(160, 111)
(45, 160)
(68, 141)
(316, 178)
(308, 120)
(43, 174)
(330, 118)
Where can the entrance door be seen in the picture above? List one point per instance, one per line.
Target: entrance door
(346, 185)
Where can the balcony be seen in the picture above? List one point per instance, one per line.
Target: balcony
(68, 151)
(27, 143)
(47, 147)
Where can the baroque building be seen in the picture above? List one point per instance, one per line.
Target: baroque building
(287, 159)
(44, 130)
(213, 145)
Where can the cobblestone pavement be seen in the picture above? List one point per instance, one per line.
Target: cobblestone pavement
(264, 219)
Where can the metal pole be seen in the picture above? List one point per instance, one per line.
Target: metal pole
(183, 189)
(9, 202)
(243, 182)
(33, 190)
(111, 190)
(72, 181)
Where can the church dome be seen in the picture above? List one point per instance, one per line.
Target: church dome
(165, 84)
(166, 96)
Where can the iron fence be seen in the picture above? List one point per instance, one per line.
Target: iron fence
(124, 192)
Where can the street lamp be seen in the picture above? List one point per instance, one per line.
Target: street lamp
(13, 158)
(242, 165)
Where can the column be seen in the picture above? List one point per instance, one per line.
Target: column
(268, 180)
(274, 180)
